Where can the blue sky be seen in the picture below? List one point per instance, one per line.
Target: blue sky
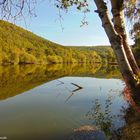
(47, 24)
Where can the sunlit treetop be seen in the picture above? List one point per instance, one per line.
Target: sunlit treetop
(132, 12)
(15, 8)
(132, 9)
(65, 4)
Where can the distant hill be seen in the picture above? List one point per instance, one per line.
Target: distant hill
(105, 52)
(19, 46)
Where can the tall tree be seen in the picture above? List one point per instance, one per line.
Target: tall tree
(119, 25)
(115, 41)
(118, 38)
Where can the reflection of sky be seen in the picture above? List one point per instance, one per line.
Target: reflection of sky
(44, 110)
(47, 25)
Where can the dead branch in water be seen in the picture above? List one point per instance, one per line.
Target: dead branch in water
(60, 82)
(73, 92)
(77, 85)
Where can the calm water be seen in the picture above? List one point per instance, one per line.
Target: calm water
(49, 102)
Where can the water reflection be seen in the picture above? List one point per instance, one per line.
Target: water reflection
(59, 98)
(18, 79)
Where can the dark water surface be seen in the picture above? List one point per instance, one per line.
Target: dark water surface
(49, 102)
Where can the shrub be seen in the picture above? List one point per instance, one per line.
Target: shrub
(14, 58)
(54, 59)
(26, 58)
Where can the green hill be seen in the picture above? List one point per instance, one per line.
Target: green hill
(105, 52)
(19, 46)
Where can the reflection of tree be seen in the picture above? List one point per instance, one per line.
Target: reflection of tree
(109, 71)
(17, 79)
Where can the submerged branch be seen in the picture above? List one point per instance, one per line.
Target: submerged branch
(77, 85)
(60, 82)
(73, 92)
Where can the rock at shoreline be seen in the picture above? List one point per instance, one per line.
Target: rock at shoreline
(87, 132)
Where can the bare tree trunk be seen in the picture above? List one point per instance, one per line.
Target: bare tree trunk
(116, 43)
(119, 25)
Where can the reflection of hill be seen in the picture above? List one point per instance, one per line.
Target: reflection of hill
(17, 79)
(110, 71)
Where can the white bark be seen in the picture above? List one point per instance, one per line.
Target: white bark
(115, 41)
(119, 25)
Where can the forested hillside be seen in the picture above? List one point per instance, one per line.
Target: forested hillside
(19, 46)
(105, 52)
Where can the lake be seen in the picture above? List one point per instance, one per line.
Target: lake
(47, 102)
